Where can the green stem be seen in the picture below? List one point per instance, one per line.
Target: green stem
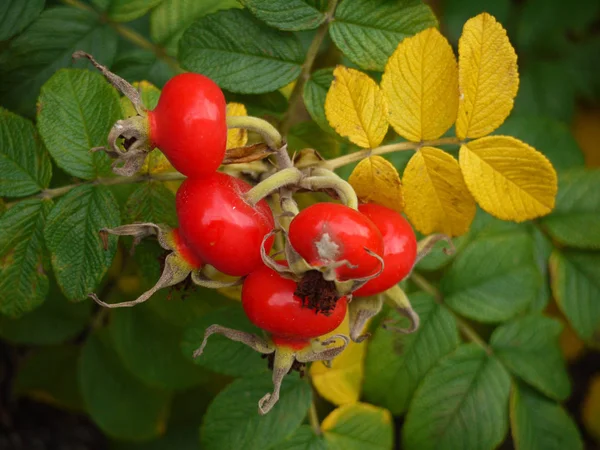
(463, 326)
(269, 133)
(313, 419)
(279, 179)
(57, 192)
(311, 55)
(402, 146)
(130, 35)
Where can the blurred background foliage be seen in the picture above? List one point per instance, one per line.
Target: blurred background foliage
(69, 370)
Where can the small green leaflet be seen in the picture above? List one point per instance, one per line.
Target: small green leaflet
(151, 202)
(290, 15)
(47, 45)
(232, 420)
(16, 15)
(460, 404)
(368, 31)
(128, 10)
(78, 256)
(23, 281)
(25, 166)
(76, 111)
(315, 91)
(240, 54)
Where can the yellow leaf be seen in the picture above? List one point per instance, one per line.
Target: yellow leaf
(358, 426)
(436, 196)
(591, 408)
(341, 384)
(236, 137)
(376, 180)
(508, 178)
(420, 83)
(156, 162)
(355, 107)
(488, 77)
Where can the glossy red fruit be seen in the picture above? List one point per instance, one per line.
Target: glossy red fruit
(270, 304)
(189, 124)
(219, 226)
(184, 251)
(327, 232)
(399, 248)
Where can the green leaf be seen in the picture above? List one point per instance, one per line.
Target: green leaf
(117, 402)
(50, 375)
(128, 10)
(549, 136)
(540, 424)
(78, 257)
(232, 420)
(240, 54)
(23, 282)
(359, 426)
(56, 321)
(309, 135)
(542, 249)
(460, 404)
(315, 91)
(222, 355)
(528, 346)
(25, 166)
(368, 31)
(575, 220)
(546, 89)
(171, 18)
(272, 104)
(46, 46)
(456, 12)
(396, 363)
(76, 110)
(16, 15)
(303, 438)
(494, 278)
(151, 202)
(290, 15)
(576, 287)
(149, 348)
(138, 64)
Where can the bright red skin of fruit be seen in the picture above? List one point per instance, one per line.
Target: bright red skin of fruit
(270, 304)
(219, 226)
(189, 124)
(184, 251)
(399, 248)
(347, 228)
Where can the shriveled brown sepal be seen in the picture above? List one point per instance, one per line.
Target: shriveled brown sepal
(284, 357)
(176, 268)
(361, 309)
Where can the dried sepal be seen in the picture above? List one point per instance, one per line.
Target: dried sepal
(201, 279)
(425, 245)
(176, 268)
(284, 357)
(249, 153)
(349, 286)
(397, 299)
(361, 309)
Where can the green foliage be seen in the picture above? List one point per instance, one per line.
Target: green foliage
(486, 355)
(240, 54)
(78, 257)
(23, 281)
(232, 422)
(461, 403)
(24, 163)
(368, 31)
(395, 364)
(76, 110)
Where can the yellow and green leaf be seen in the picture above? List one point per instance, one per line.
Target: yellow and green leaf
(236, 137)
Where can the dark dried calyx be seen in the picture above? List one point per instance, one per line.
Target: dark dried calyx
(317, 293)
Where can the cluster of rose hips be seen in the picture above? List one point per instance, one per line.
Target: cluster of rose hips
(335, 258)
